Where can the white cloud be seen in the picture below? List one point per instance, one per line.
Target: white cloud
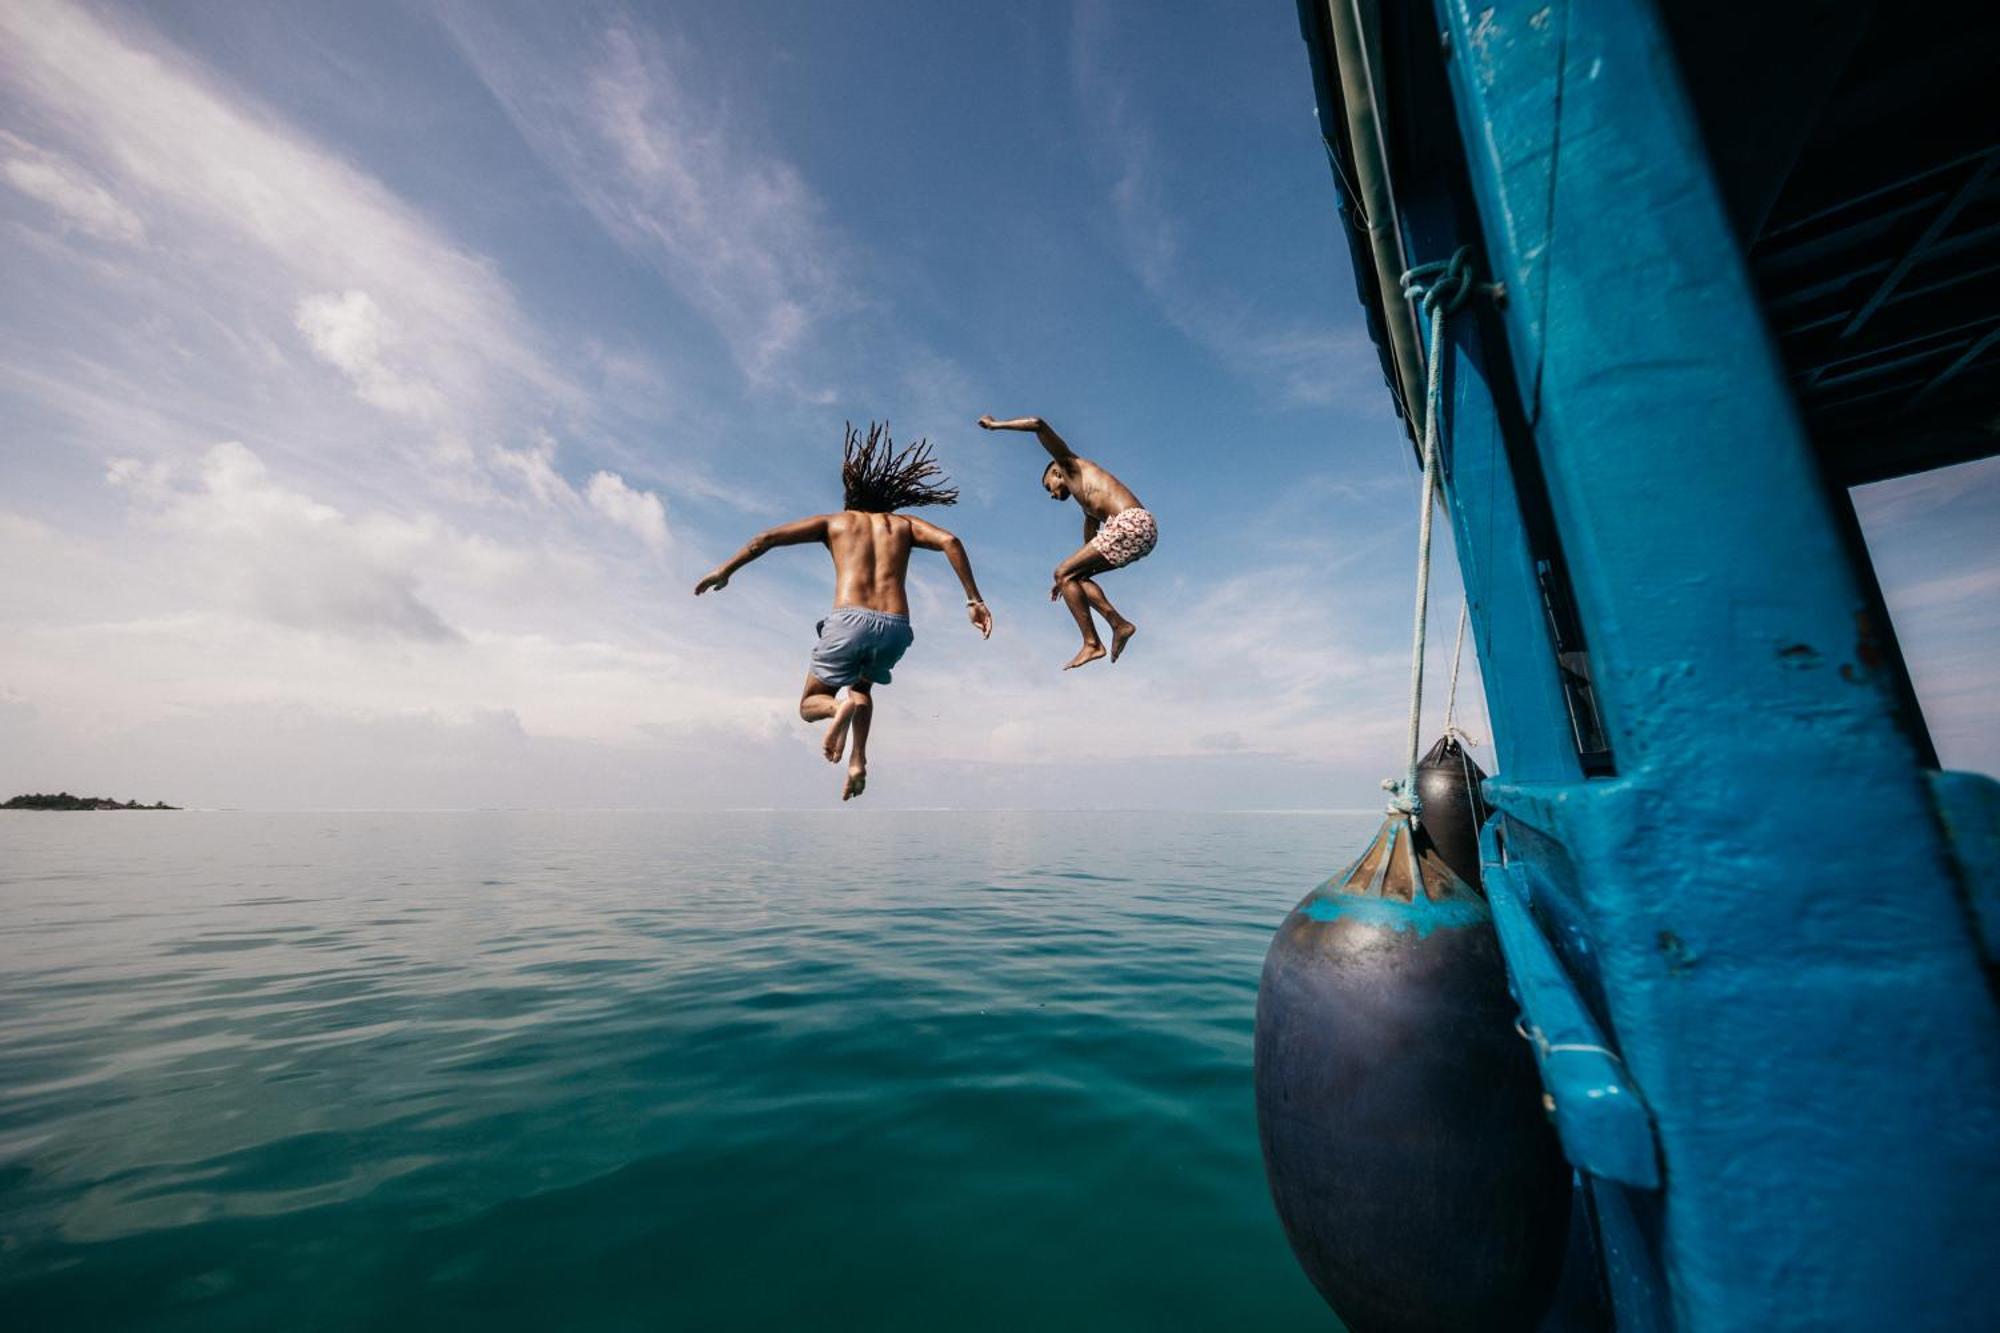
(398, 540)
(639, 512)
(263, 234)
(348, 331)
(290, 559)
(534, 470)
(68, 189)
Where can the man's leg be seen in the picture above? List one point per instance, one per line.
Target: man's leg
(855, 703)
(1122, 629)
(816, 704)
(863, 715)
(1093, 647)
(1070, 577)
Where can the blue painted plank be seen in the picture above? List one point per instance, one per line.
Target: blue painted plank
(1605, 1128)
(1787, 966)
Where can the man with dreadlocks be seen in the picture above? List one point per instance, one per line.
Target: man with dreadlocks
(868, 630)
(1117, 530)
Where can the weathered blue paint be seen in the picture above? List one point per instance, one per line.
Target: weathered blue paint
(1422, 915)
(1771, 916)
(1770, 903)
(1605, 1127)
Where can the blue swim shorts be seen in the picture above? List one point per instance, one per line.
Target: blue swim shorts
(855, 643)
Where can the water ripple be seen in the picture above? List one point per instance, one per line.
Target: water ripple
(376, 1071)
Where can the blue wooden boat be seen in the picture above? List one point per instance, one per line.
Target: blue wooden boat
(1731, 260)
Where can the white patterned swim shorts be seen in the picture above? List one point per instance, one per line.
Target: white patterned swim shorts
(1126, 536)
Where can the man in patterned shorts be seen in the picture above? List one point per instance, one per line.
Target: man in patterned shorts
(1116, 531)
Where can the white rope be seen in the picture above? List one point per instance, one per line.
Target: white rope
(1457, 656)
(1411, 803)
(1439, 298)
(1535, 1037)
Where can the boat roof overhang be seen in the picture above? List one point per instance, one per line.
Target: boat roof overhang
(1857, 144)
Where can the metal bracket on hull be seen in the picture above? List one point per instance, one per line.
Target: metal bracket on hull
(1605, 1127)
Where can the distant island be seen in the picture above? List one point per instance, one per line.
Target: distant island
(62, 800)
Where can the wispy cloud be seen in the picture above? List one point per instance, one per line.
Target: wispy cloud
(69, 190)
(328, 427)
(299, 220)
(1307, 361)
(268, 257)
(633, 125)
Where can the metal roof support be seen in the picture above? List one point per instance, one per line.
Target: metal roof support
(1858, 201)
(1945, 376)
(1945, 217)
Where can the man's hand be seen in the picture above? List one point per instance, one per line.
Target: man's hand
(986, 422)
(990, 422)
(712, 582)
(982, 619)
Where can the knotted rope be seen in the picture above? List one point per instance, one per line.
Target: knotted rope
(1440, 287)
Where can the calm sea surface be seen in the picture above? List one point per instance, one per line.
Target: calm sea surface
(609, 1071)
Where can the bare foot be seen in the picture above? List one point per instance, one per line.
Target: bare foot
(1120, 636)
(1090, 652)
(835, 748)
(857, 782)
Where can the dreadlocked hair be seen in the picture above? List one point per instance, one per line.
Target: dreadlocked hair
(879, 478)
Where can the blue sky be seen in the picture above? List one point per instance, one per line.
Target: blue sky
(383, 375)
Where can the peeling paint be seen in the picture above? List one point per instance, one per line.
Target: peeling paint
(1679, 957)
(1867, 641)
(1482, 34)
(1799, 656)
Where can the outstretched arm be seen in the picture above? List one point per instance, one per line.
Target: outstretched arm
(1054, 443)
(934, 538)
(785, 534)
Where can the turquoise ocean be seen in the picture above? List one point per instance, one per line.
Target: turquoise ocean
(499, 1070)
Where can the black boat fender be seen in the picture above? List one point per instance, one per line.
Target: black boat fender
(1415, 1171)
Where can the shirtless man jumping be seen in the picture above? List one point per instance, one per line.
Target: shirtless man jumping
(868, 630)
(1116, 531)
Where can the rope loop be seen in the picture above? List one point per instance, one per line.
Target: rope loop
(1442, 283)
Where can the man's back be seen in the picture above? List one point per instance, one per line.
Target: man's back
(871, 559)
